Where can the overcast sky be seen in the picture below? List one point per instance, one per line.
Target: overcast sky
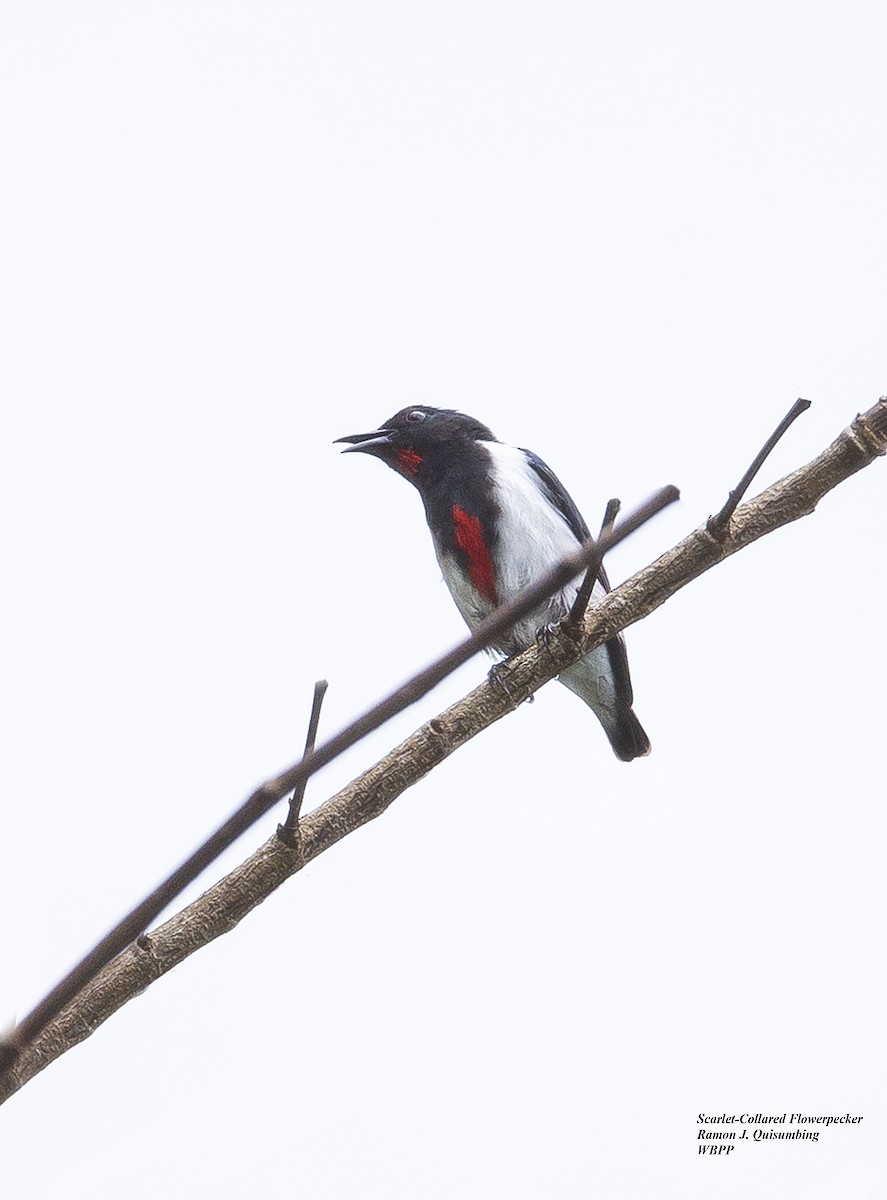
(625, 236)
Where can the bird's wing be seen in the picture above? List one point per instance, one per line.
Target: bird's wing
(566, 506)
(564, 503)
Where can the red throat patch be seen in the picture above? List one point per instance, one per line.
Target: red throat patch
(409, 461)
(469, 538)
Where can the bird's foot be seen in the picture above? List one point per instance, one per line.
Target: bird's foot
(565, 631)
(498, 678)
(545, 633)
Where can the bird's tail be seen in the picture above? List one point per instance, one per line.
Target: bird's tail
(627, 736)
(592, 681)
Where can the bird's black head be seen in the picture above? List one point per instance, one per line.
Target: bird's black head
(418, 437)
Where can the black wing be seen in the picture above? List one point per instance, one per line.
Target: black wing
(559, 496)
(564, 503)
(566, 506)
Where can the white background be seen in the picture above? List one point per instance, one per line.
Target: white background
(625, 236)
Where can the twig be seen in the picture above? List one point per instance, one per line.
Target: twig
(288, 832)
(717, 526)
(580, 603)
(273, 790)
(611, 512)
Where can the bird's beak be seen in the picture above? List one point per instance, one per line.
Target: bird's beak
(366, 443)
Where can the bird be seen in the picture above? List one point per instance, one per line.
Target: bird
(499, 518)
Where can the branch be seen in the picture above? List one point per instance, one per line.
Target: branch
(265, 797)
(580, 603)
(288, 832)
(717, 526)
(219, 909)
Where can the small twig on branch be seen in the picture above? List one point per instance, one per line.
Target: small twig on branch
(273, 790)
(717, 525)
(580, 603)
(288, 832)
(611, 512)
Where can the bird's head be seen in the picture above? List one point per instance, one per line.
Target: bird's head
(417, 437)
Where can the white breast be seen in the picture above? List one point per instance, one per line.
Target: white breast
(533, 536)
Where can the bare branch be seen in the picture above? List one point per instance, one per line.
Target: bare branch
(367, 797)
(273, 790)
(611, 512)
(580, 603)
(717, 526)
(288, 832)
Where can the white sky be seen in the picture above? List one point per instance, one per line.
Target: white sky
(625, 236)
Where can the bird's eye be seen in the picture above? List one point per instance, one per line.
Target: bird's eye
(416, 416)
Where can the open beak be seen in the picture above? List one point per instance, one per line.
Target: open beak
(366, 443)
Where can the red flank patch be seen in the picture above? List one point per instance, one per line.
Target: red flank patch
(470, 540)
